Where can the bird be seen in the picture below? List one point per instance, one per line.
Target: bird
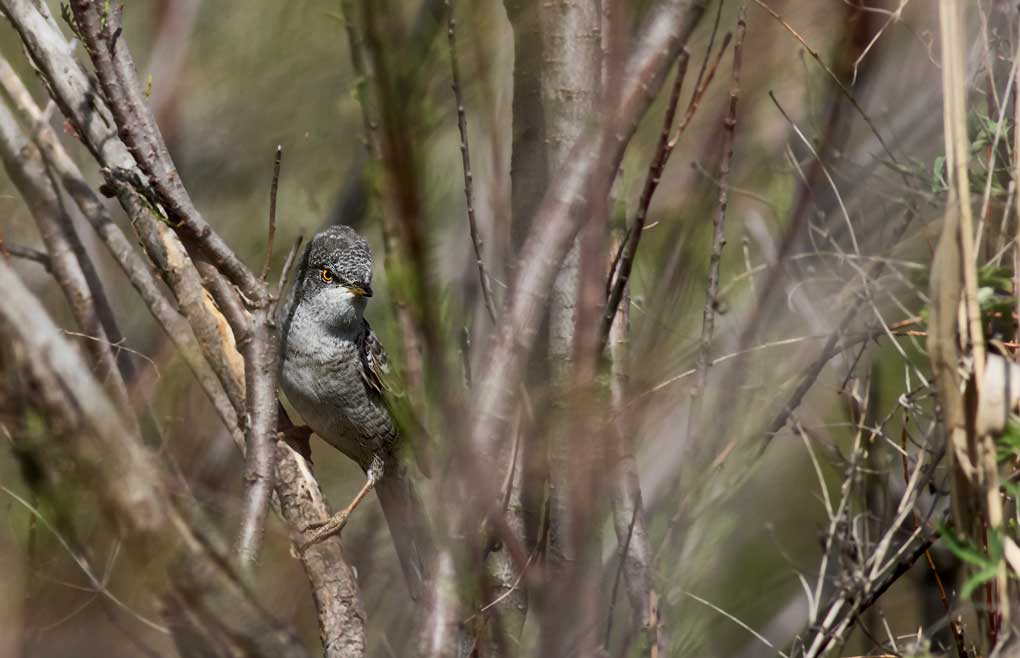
(336, 376)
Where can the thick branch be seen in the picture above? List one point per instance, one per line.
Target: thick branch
(75, 95)
(138, 273)
(72, 267)
(591, 166)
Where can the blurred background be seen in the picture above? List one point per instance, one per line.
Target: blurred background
(732, 522)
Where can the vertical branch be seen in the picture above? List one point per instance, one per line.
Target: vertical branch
(628, 247)
(623, 262)
(261, 350)
(465, 152)
(719, 231)
(627, 506)
(272, 212)
(977, 506)
(571, 77)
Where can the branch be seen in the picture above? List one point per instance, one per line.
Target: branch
(129, 483)
(272, 212)
(719, 231)
(174, 325)
(71, 265)
(27, 253)
(624, 259)
(465, 152)
(115, 71)
(628, 249)
(591, 166)
(71, 89)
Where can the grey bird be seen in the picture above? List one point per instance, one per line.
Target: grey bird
(335, 374)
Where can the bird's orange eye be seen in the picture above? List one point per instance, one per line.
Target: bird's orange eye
(327, 275)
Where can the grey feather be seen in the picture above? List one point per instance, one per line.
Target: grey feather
(335, 374)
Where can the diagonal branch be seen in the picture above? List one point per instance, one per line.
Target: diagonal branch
(102, 32)
(333, 583)
(138, 273)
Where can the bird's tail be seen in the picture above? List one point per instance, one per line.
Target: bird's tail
(409, 527)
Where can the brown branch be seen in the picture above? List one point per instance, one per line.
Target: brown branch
(619, 272)
(70, 88)
(261, 350)
(719, 232)
(272, 212)
(115, 71)
(624, 260)
(72, 267)
(590, 167)
(629, 518)
(27, 253)
(116, 74)
(465, 152)
(128, 481)
(875, 592)
(174, 325)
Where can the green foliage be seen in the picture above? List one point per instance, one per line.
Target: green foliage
(981, 130)
(995, 298)
(1008, 447)
(986, 564)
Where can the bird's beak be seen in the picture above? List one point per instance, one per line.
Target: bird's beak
(364, 290)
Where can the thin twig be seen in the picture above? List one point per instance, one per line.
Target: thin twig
(27, 253)
(619, 272)
(627, 250)
(287, 264)
(839, 83)
(616, 579)
(465, 153)
(272, 212)
(719, 230)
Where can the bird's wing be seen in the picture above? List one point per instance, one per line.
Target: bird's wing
(382, 379)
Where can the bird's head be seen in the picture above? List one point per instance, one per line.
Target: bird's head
(336, 276)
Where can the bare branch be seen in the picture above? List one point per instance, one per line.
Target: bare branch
(173, 324)
(272, 212)
(465, 152)
(619, 274)
(719, 231)
(27, 253)
(591, 166)
(87, 111)
(72, 267)
(628, 248)
(115, 71)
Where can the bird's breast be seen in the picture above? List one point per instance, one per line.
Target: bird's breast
(322, 380)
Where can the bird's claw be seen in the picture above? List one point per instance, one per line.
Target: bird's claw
(324, 530)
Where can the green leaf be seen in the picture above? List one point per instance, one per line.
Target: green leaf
(1013, 489)
(981, 577)
(963, 549)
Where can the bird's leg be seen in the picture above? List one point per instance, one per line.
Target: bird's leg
(337, 522)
